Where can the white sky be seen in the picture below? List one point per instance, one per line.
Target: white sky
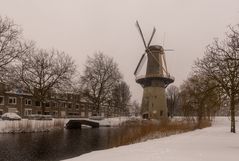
(83, 27)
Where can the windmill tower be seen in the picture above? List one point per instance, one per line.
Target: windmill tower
(155, 80)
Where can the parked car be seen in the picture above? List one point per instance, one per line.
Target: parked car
(11, 116)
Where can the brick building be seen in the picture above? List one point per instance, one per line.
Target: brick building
(57, 104)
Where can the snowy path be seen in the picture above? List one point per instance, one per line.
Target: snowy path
(210, 144)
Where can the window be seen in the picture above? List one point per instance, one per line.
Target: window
(28, 102)
(82, 107)
(12, 100)
(46, 113)
(27, 112)
(55, 113)
(37, 103)
(1, 100)
(77, 106)
(47, 104)
(69, 105)
(1, 111)
(161, 113)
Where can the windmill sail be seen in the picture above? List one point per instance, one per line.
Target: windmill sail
(154, 30)
(140, 64)
(141, 34)
(164, 60)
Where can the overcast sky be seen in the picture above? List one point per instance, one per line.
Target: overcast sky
(84, 27)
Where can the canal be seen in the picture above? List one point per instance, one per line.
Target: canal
(55, 145)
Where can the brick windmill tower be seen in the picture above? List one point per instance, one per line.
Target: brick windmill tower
(154, 81)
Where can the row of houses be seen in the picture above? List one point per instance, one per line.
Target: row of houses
(57, 104)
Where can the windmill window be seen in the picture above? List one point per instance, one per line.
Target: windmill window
(161, 113)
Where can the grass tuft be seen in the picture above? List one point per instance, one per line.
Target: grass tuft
(142, 130)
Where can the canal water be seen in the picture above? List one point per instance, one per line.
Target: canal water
(55, 145)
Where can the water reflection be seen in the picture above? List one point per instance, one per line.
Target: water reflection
(55, 145)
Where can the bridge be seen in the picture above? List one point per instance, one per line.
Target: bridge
(77, 123)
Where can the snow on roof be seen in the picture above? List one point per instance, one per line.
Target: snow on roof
(18, 92)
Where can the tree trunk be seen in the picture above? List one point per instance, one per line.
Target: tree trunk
(98, 108)
(43, 107)
(200, 115)
(232, 103)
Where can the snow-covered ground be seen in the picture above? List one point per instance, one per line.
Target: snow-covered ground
(26, 125)
(215, 143)
(116, 121)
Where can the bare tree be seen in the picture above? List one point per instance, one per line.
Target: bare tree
(100, 77)
(11, 44)
(120, 98)
(221, 63)
(135, 108)
(41, 71)
(173, 99)
(199, 97)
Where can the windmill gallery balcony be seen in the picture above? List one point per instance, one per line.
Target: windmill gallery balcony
(155, 80)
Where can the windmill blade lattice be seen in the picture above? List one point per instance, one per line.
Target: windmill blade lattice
(141, 34)
(140, 64)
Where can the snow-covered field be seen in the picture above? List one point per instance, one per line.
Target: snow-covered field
(215, 143)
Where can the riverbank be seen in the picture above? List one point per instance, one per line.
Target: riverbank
(26, 125)
(215, 143)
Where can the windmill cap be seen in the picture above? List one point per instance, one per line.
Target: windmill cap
(155, 48)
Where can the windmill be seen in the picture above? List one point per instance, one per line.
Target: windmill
(155, 80)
